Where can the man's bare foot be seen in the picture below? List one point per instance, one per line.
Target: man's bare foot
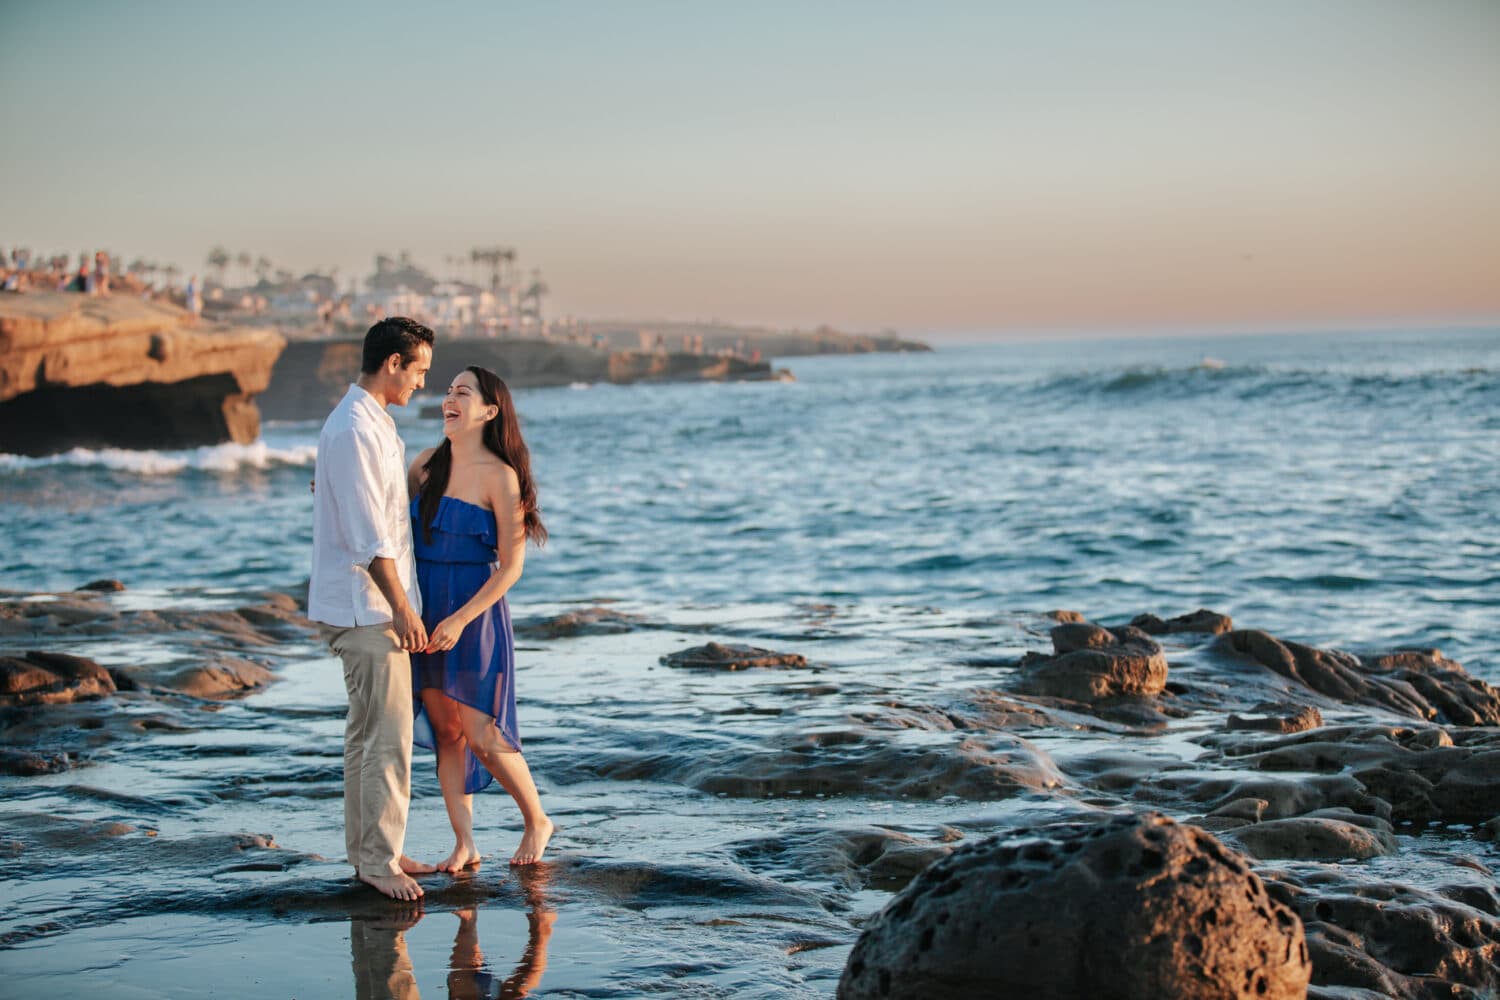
(533, 843)
(463, 856)
(416, 867)
(402, 887)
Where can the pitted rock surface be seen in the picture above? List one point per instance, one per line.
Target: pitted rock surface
(1090, 663)
(1395, 940)
(1114, 906)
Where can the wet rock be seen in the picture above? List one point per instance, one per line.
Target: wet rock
(716, 656)
(1201, 620)
(857, 858)
(1279, 719)
(1122, 906)
(1326, 837)
(1092, 663)
(1421, 773)
(1397, 940)
(28, 763)
(587, 621)
(1419, 684)
(104, 586)
(224, 677)
(43, 678)
(835, 760)
(1066, 617)
(44, 614)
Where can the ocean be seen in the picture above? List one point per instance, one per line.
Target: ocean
(1334, 488)
(905, 521)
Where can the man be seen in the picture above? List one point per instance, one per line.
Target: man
(364, 585)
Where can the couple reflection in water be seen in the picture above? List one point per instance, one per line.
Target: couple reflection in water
(383, 968)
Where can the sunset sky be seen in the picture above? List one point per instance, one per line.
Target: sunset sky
(930, 167)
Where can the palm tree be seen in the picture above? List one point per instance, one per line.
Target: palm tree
(263, 267)
(244, 260)
(218, 259)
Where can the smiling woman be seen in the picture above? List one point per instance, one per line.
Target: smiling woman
(475, 511)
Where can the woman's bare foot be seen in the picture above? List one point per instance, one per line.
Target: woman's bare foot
(416, 867)
(533, 843)
(463, 856)
(395, 886)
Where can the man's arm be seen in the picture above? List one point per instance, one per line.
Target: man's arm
(407, 623)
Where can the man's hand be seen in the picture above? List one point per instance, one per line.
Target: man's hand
(445, 636)
(409, 629)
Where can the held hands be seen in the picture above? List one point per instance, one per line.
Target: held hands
(409, 629)
(445, 636)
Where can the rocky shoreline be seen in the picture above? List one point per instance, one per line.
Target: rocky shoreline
(1224, 813)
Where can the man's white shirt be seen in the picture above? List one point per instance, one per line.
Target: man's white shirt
(360, 513)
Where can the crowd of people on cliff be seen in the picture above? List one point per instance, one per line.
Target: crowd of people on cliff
(21, 271)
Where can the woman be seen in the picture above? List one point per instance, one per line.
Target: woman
(474, 511)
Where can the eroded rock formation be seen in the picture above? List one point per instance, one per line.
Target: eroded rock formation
(116, 371)
(1117, 906)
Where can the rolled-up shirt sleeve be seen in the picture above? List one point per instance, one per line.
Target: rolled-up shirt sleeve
(354, 469)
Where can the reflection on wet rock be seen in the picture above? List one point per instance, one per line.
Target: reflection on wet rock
(857, 858)
(638, 885)
(1120, 906)
(716, 656)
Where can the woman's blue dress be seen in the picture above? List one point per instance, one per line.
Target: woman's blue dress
(480, 670)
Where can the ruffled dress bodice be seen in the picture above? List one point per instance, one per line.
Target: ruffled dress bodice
(462, 532)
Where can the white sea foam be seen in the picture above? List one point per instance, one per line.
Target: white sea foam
(214, 458)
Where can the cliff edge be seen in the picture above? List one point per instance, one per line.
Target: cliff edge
(81, 371)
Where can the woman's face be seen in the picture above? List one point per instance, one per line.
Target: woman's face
(464, 408)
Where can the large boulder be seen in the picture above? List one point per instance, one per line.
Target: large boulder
(1114, 906)
(117, 371)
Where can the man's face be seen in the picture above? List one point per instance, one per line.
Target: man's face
(412, 377)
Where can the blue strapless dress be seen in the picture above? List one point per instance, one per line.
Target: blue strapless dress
(480, 670)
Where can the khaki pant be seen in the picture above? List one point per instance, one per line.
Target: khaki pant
(377, 746)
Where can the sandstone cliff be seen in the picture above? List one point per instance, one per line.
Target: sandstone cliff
(118, 371)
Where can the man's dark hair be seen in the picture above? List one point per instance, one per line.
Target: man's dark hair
(393, 335)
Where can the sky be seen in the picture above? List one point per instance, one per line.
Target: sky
(937, 167)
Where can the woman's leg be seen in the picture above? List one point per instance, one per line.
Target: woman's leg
(509, 768)
(447, 729)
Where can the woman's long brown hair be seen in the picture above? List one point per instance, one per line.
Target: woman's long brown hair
(502, 436)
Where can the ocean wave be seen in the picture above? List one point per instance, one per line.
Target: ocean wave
(212, 458)
(1212, 376)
